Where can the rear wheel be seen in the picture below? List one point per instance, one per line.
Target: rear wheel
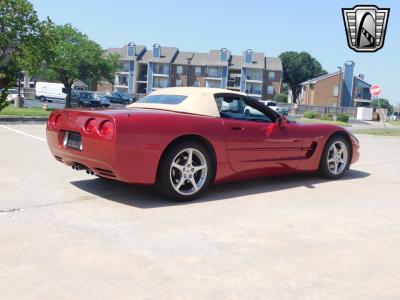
(42, 98)
(185, 171)
(335, 159)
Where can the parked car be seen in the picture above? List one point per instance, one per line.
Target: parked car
(183, 139)
(395, 116)
(120, 98)
(49, 91)
(271, 104)
(84, 99)
(104, 101)
(12, 95)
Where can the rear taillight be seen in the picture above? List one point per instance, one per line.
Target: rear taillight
(51, 119)
(91, 126)
(57, 121)
(106, 129)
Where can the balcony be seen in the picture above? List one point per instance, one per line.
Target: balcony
(233, 85)
(255, 76)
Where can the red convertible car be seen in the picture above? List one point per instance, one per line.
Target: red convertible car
(183, 139)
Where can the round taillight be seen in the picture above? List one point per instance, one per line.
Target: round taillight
(57, 121)
(91, 126)
(106, 129)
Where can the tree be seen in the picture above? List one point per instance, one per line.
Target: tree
(68, 55)
(384, 103)
(18, 27)
(281, 97)
(299, 67)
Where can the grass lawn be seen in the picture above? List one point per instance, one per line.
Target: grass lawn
(305, 120)
(395, 123)
(378, 131)
(31, 112)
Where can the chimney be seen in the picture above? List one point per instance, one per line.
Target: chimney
(248, 57)
(156, 51)
(223, 54)
(131, 49)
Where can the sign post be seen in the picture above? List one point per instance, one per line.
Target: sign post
(375, 91)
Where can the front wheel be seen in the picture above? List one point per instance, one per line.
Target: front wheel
(335, 158)
(185, 171)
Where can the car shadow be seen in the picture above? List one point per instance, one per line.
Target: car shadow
(146, 196)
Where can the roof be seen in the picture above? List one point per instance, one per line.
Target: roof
(199, 59)
(181, 58)
(123, 52)
(258, 61)
(314, 80)
(213, 58)
(273, 64)
(199, 101)
(362, 81)
(236, 62)
(168, 54)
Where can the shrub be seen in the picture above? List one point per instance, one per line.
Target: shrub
(280, 98)
(343, 118)
(327, 117)
(309, 115)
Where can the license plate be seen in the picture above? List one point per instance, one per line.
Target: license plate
(72, 140)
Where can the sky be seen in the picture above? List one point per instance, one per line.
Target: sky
(271, 27)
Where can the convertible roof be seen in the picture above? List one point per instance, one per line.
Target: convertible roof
(199, 100)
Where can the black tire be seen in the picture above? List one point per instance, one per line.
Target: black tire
(42, 98)
(164, 183)
(125, 103)
(325, 168)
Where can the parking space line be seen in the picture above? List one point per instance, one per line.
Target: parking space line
(24, 133)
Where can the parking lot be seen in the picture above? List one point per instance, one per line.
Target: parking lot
(68, 235)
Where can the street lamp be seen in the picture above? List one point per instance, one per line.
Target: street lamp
(338, 99)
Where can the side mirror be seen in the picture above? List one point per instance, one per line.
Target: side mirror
(281, 120)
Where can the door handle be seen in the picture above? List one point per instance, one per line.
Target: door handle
(237, 128)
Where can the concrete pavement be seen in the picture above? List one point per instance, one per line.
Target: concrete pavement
(68, 235)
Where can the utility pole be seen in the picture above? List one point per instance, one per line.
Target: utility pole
(189, 60)
(339, 100)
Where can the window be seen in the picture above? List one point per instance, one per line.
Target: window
(179, 69)
(271, 75)
(178, 82)
(213, 72)
(196, 83)
(238, 108)
(162, 99)
(161, 69)
(160, 82)
(197, 71)
(270, 90)
(335, 91)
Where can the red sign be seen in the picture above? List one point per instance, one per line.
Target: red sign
(375, 90)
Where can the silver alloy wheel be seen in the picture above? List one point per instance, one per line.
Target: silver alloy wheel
(337, 157)
(188, 171)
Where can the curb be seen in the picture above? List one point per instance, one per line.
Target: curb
(6, 120)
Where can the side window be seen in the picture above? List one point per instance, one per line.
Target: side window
(235, 107)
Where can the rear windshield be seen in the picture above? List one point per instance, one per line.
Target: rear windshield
(162, 99)
(86, 96)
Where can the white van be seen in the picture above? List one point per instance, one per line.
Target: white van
(47, 91)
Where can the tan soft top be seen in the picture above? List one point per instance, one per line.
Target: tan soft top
(199, 101)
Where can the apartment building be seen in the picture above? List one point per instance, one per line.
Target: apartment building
(143, 70)
(340, 88)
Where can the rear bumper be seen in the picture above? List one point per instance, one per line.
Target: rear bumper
(105, 158)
